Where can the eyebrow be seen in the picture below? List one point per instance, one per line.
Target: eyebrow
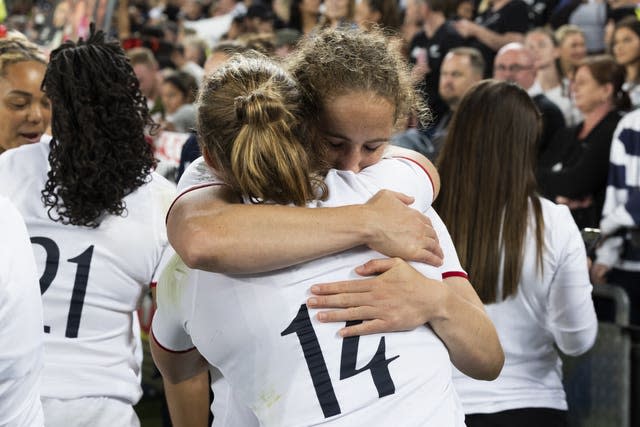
(20, 93)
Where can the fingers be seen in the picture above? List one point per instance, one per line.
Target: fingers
(352, 313)
(429, 258)
(376, 266)
(346, 287)
(407, 200)
(368, 327)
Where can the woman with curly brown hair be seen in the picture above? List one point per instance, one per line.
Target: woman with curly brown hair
(95, 213)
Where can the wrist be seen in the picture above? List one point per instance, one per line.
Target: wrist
(439, 302)
(366, 225)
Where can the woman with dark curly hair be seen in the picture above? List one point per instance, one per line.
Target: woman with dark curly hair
(95, 213)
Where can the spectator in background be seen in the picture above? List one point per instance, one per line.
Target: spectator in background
(286, 41)
(195, 50)
(178, 92)
(25, 111)
(259, 19)
(383, 13)
(304, 15)
(338, 13)
(573, 169)
(542, 44)
(504, 22)
(462, 68)
(626, 50)
(571, 49)
(525, 253)
(589, 16)
(465, 9)
(429, 47)
(515, 63)
(146, 68)
(618, 258)
(183, 64)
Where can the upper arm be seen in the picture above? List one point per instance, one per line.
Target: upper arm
(425, 163)
(189, 217)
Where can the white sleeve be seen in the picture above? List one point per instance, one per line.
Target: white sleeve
(198, 174)
(173, 301)
(572, 317)
(401, 175)
(451, 264)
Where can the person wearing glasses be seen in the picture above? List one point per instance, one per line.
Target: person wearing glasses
(515, 63)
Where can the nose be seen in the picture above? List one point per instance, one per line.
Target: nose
(35, 113)
(350, 161)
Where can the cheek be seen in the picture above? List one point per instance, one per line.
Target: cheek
(371, 158)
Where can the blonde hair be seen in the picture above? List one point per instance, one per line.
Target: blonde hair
(16, 48)
(566, 30)
(249, 127)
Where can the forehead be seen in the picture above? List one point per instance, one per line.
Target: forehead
(358, 112)
(512, 56)
(537, 37)
(572, 38)
(24, 76)
(625, 32)
(456, 62)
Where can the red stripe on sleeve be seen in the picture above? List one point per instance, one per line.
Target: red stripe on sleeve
(188, 190)
(152, 285)
(455, 274)
(168, 349)
(433, 188)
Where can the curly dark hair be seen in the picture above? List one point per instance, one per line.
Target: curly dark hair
(99, 153)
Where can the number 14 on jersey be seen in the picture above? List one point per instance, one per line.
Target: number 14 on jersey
(378, 365)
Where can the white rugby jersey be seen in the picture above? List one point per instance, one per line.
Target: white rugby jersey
(90, 280)
(294, 371)
(21, 337)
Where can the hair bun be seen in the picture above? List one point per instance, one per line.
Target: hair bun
(259, 108)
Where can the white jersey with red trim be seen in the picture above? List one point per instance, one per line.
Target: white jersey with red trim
(292, 370)
(21, 340)
(90, 278)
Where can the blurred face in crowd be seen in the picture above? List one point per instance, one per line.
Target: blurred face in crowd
(172, 97)
(626, 46)
(357, 127)
(148, 79)
(465, 10)
(543, 50)
(588, 94)
(456, 76)
(515, 65)
(215, 61)
(572, 49)
(25, 111)
(336, 10)
(365, 17)
(309, 6)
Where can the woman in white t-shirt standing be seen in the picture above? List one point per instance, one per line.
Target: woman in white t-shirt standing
(532, 276)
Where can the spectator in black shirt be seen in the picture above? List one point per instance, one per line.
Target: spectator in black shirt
(504, 22)
(429, 47)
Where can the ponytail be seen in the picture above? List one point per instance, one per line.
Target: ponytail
(267, 160)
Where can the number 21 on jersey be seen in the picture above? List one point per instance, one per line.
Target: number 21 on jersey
(79, 285)
(378, 365)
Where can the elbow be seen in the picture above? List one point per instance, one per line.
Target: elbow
(578, 343)
(493, 366)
